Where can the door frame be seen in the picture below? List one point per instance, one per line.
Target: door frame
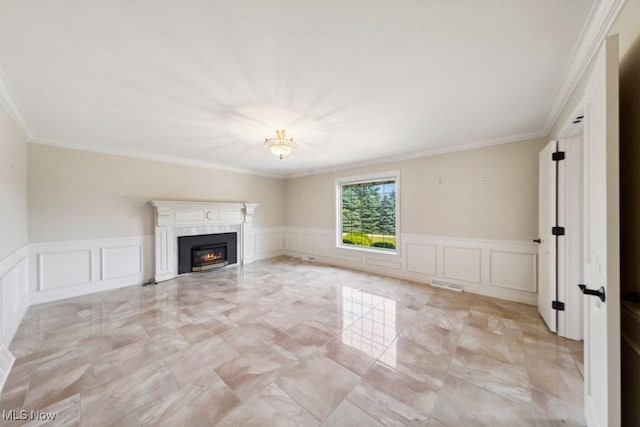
(566, 131)
(570, 250)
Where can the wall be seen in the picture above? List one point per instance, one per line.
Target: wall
(13, 187)
(466, 217)
(77, 194)
(91, 225)
(13, 236)
(438, 193)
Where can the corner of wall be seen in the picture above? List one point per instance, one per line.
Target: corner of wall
(14, 283)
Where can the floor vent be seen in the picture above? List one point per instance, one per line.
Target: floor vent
(446, 285)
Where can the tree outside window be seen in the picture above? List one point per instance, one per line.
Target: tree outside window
(368, 214)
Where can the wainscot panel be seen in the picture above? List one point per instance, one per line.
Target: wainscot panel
(498, 268)
(70, 268)
(14, 301)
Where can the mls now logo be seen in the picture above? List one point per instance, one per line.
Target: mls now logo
(24, 415)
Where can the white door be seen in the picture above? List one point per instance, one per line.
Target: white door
(547, 247)
(602, 241)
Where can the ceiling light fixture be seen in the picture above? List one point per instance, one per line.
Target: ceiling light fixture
(281, 146)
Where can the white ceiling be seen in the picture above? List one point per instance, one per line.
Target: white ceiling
(350, 81)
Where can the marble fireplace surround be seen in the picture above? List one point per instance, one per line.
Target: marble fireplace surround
(183, 218)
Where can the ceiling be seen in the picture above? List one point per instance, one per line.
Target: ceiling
(350, 81)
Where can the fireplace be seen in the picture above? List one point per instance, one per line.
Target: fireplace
(206, 252)
(208, 257)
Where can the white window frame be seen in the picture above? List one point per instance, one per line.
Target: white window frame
(362, 179)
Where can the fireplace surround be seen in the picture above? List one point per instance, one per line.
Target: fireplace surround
(176, 219)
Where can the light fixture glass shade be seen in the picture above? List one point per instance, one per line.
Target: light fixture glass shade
(280, 146)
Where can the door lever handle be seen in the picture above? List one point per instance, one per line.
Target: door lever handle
(537, 240)
(599, 293)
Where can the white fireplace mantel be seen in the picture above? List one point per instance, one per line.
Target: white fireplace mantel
(179, 218)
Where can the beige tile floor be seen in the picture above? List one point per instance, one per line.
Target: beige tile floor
(283, 342)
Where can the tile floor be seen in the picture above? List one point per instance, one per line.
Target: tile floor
(284, 342)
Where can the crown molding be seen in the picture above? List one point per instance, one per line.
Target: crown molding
(418, 154)
(10, 104)
(317, 171)
(151, 156)
(601, 18)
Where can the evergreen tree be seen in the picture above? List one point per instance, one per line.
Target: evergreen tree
(388, 214)
(360, 209)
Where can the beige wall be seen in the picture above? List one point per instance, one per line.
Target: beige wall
(13, 187)
(77, 195)
(443, 195)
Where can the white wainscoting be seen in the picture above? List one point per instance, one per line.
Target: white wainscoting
(266, 242)
(14, 301)
(14, 295)
(70, 268)
(498, 268)
(503, 269)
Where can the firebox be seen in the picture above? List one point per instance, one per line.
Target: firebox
(206, 252)
(208, 257)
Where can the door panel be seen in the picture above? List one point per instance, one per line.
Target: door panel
(547, 247)
(602, 241)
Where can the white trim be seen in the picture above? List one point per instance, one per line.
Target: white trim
(369, 178)
(470, 240)
(14, 292)
(570, 129)
(601, 18)
(303, 242)
(419, 154)
(6, 363)
(151, 156)
(41, 289)
(61, 282)
(175, 219)
(267, 242)
(570, 255)
(317, 171)
(11, 105)
(364, 179)
(14, 301)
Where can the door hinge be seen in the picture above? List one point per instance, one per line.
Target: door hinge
(557, 231)
(558, 155)
(557, 305)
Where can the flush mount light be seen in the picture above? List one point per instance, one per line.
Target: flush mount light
(281, 146)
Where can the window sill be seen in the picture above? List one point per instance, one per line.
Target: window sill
(380, 251)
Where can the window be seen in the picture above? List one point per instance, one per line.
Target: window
(367, 213)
